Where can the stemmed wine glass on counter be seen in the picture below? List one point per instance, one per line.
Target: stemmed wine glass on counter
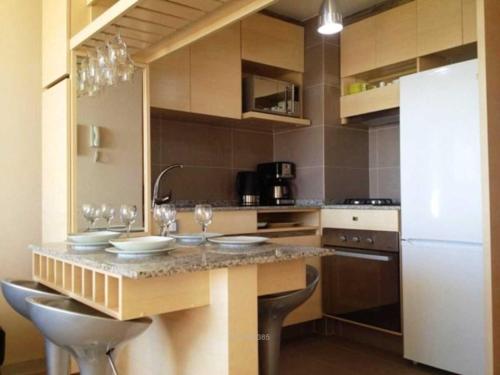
(165, 216)
(203, 214)
(108, 214)
(128, 215)
(91, 213)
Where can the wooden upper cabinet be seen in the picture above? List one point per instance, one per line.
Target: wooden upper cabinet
(439, 25)
(357, 47)
(267, 40)
(216, 74)
(469, 21)
(170, 82)
(55, 40)
(396, 35)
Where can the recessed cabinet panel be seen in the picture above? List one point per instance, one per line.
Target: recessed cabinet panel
(216, 74)
(273, 42)
(439, 25)
(357, 51)
(55, 36)
(469, 21)
(169, 81)
(396, 37)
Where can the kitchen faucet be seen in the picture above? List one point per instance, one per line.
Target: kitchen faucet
(167, 198)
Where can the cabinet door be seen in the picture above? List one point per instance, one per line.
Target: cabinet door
(55, 36)
(169, 81)
(357, 51)
(216, 74)
(439, 25)
(270, 41)
(55, 151)
(469, 21)
(396, 38)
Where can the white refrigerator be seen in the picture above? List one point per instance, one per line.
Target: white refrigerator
(442, 251)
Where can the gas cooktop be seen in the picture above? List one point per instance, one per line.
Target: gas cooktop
(370, 201)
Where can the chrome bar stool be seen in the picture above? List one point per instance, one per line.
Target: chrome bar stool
(15, 292)
(273, 310)
(88, 334)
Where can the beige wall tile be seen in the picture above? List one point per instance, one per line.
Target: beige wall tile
(342, 183)
(195, 144)
(314, 104)
(311, 35)
(309, 183)
(345, 147)
(331, 64)
(389, 183)
(251, 148)
(304, 147)
(314, 65)
(388, 147)
(332, 105)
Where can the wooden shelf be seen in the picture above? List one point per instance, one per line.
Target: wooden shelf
(298, 228)
(374, 100)
(121, 297)
(154, 28)
(266, 119)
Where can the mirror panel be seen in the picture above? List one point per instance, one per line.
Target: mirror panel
(110, 163)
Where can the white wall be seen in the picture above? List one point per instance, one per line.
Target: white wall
(20, 165)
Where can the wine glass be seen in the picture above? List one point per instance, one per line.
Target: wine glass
(158, 217)
(91, 214)
(128, 214)
(203, 214)
(169, 215)
(108, 214)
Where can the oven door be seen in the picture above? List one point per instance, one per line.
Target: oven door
(363, 287)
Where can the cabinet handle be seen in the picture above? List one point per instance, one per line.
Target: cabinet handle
(355, 218)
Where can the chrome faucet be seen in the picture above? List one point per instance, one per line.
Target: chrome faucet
(167, 198)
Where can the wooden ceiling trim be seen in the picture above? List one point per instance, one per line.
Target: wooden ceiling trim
(223, 16)
(170, 8)
(134, 34)
(144, 26)
(204, 5)
(157, 18)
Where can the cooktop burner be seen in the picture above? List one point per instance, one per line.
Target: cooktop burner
(369, 201)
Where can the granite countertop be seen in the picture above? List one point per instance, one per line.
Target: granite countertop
(187, 206)
(181, 260)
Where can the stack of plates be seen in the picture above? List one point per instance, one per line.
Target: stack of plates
(91, 240)
(238, 241)
(194, 238)
(141, 246)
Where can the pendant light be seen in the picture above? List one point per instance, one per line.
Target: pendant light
(330, 18)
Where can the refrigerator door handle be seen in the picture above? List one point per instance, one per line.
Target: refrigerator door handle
(378, 258)
(414, 241)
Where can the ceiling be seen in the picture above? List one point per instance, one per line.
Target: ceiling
(302, 10)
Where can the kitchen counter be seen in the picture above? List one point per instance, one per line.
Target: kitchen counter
(203, 300)
(182, 260)
(360, 207)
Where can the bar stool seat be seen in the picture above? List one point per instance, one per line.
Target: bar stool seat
(15, 292)
(273, 310)
(87, 333)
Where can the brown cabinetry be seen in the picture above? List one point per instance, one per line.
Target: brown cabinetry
(357, 51)
(439, 25)
(216, 74)
(55, 35)
(170, 81)
(396, 35)
(469, 21)
(267, 40)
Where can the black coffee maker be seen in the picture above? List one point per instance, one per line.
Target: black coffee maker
(275, 181)
(247, 186)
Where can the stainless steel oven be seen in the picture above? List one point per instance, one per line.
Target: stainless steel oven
(361, 282)
(263, 94)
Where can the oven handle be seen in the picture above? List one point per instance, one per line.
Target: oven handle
(379, 258)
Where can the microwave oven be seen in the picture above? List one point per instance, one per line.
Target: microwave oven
(263, 94)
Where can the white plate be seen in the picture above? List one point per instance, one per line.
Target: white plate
(93, 238)
(143, 243)
(194, 237)
(238, 241)
(88, 247)
(137, 253)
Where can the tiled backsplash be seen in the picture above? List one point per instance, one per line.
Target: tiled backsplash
(384, 162)
(212, 156)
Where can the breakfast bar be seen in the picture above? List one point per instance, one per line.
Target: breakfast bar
(203, 299)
